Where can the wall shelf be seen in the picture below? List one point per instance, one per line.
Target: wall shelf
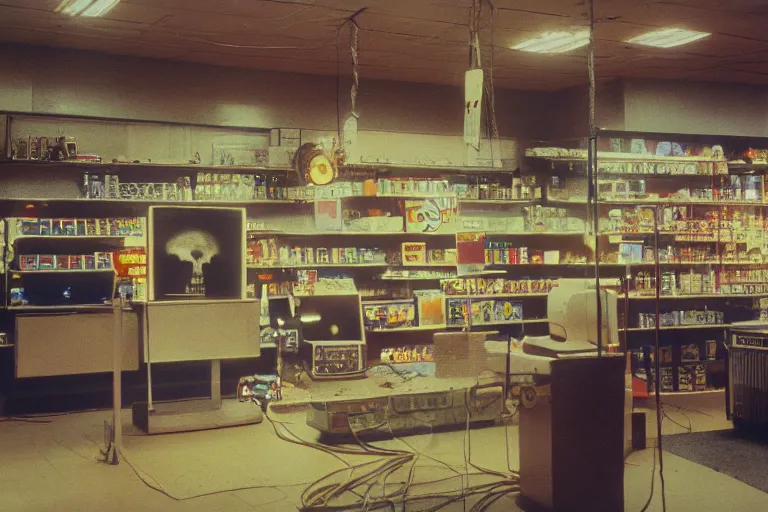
(417, 328)
(654, 202)
(536, 265)
(498, 296)
(64, 271)
(679, 393)
(626, 157)
(679, 327)
(448, 169)
(62, 307)
(70, 238)
(510, 322)
(159, 202)
(699, 296)
(81, 165)
(343, 233)
(319, 265)
(511, 202)
(414, 278)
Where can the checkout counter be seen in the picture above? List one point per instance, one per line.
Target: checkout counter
(572, 428)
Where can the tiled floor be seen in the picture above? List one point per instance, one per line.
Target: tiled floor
(54, 466)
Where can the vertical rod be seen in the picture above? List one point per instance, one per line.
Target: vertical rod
(657, 362)
(117, 392)
(591, 172)
(147, 344)
(216, 382)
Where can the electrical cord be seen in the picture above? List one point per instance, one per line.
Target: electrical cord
(653, 479)
(688, 429)
(13, 419)
(367, 476)
(158, 488)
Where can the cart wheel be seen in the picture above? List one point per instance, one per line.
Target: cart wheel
(740, 423)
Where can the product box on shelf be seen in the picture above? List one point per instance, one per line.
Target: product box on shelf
(666, 376)
(481, 312)
(455, 286)
(430, 215)
(46, 226)
(18, 297)
(690, 352)
(408, 354)
(28, 227)
(46, 262)
(711, 347)
(103, 260)
(28, 262)
(457, 311)
(430, 304)
(62, 262)
(684, 378)
(414, 253)
(77, 263)
(389, 314)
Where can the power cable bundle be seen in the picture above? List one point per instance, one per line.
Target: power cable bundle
(372, 485)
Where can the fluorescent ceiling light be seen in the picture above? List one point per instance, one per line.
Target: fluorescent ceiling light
(668, 37)
(555, 42)
(87, 8)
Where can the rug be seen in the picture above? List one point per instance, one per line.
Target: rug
(730, 452)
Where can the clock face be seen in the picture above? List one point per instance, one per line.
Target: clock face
(320, 170)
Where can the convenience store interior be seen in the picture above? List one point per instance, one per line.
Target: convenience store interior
(340, 238)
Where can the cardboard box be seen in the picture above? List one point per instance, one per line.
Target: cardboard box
(459, 354)
(414, 253)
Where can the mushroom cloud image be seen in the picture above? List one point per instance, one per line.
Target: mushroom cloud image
(198, 248)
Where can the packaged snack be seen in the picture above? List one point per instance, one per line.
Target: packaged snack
(684, 379)
(28, 262)
(76, 262)
(689, 352)
(62, 262)
(711, 349)
(46, 262)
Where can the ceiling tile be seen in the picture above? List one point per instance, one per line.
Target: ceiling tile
(424, 40)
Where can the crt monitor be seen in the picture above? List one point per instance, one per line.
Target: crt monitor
(572, 312)
(330, 318)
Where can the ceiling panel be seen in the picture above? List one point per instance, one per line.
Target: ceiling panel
(411, 40)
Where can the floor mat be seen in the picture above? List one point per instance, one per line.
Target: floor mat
(729, 452)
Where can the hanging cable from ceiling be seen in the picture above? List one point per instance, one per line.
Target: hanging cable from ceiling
(490, 89)
(475, 10)
(484, 69)
(348, 135)
(353, 50)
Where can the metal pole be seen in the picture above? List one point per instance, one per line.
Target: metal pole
(150, 407)
(657, 362)
(117, 356)
(592, 171)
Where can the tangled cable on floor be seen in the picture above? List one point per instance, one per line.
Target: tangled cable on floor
(372, 485)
